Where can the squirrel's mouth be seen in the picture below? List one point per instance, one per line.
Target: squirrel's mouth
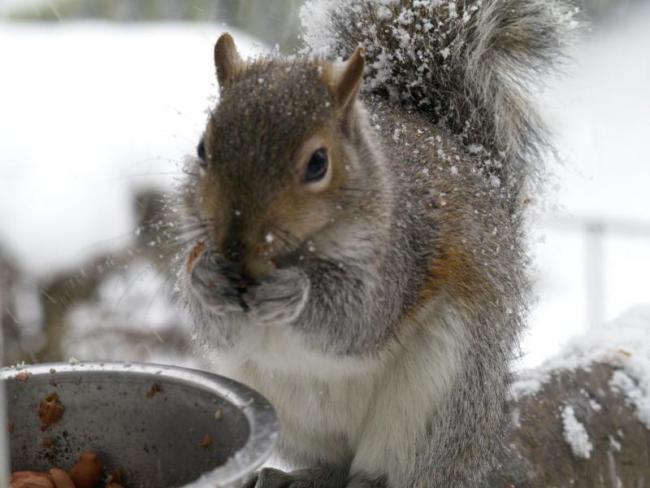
(254, 267)
(240, 280)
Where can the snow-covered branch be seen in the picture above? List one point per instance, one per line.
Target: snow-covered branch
(583, 418)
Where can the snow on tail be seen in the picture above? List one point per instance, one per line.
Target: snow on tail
(470, 65)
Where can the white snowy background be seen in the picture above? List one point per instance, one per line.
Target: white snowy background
(600, 115)
(90, 112)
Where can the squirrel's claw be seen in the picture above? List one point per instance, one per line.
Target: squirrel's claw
(269, 478)
(278, 298)
(306, 478)
(213, 285)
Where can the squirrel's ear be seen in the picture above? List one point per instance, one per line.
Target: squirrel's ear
(344, 79)
(227, 61)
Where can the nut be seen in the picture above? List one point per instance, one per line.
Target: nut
(87, 472)
(30, 479)
(50, 411)
(155, 389)
(61, 478)
(22, 376)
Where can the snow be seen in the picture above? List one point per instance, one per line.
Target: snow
(128, 292)
(623, 343)
(129, 320)
(575, 434)
(634, 394)
(598, 112)
(314, 16)
(7, 6)
(91, 112)
(595, 406)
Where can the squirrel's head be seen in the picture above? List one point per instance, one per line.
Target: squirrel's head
(281, 156)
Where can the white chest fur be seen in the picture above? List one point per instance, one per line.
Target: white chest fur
(368, 412)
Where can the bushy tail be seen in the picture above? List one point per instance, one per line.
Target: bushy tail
(469, 64)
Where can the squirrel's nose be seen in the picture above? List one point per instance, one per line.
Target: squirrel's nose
(234, 250)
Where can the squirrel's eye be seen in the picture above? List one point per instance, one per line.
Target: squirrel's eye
(200, 152)
(317, 166)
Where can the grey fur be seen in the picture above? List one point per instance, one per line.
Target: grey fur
(273, 478)
(470, 65)
(420, 270)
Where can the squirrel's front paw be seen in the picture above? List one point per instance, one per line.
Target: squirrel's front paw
(215, 283)
(304, 478)
(278, 298)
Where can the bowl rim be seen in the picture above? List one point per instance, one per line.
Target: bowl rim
(260, 414)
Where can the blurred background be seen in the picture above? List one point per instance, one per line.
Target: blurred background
(100, 101)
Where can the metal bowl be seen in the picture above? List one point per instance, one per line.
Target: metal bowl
(152, 422)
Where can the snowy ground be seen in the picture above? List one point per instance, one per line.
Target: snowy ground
(91, 111)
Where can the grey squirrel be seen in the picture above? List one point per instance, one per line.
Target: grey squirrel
(360, 256)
